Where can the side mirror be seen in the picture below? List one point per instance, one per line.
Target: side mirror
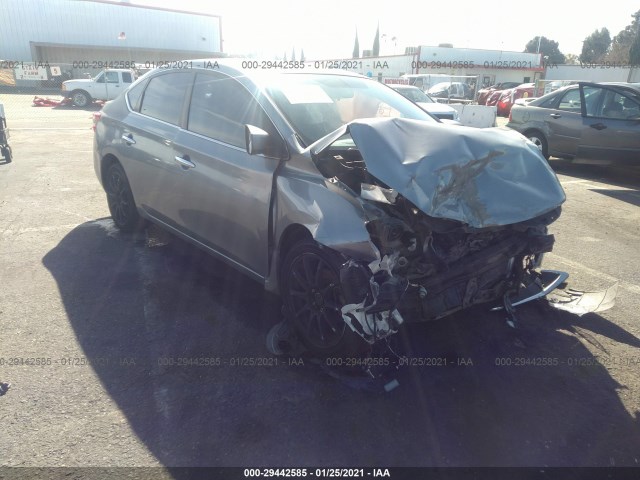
(257, 141)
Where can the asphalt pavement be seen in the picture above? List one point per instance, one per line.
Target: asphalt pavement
(122, 351)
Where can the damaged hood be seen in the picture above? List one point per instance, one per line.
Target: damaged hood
(481, 177)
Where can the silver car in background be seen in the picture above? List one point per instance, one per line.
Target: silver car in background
(440, 110)
(361, 210)
(586, 121)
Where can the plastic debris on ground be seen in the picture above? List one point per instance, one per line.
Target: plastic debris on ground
(580, 303)
(282, 341)
(4, 387)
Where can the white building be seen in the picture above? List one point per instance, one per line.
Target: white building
(485, 66)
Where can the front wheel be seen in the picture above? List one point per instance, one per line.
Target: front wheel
(539, 141)
(313, 298)
(120, 199)
(80, 98)
(6, 153)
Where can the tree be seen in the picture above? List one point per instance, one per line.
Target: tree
(376, 43)
(595, 46)
(356, 47)
(634, 50)
(546, 47)
(302, 59)
(571, 59)
(621, 44)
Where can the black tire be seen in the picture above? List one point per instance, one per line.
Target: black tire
(120, 199)
(540, 141)
(313, 298)
(80, 98)
(6, 153)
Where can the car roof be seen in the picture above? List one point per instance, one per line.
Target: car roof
(634, 86)
(248, 67)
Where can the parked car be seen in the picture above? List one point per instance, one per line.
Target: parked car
(492, 99)
(597, 121)
(440, 110)
(107, 85)
(484, 93)
(360, 209)
(451, 90)
(509, 97)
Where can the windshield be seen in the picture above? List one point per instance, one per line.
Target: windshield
(317, 104)
(415, 95)
(440, 87)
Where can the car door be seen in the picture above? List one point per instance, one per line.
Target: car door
(98, 88)
(226, 192)
(114, 85)
(564, 123)
(146, 143)
(611, 125)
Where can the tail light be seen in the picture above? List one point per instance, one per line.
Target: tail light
(96, 118)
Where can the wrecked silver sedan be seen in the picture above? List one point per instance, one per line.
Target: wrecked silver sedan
(362, 210)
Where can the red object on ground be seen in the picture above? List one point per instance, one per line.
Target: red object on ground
(48, 102)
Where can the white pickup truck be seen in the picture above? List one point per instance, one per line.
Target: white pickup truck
(107, 85)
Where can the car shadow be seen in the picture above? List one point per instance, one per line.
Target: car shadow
(629, 196)
(178, 341)
(617, 175)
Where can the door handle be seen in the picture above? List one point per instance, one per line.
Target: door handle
(555, 115)
(185, 162)
(128, 139)
(598, 126)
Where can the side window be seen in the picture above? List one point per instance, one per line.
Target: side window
(100, 78)
(134, 95)
(112, 77)
(126, 77)
(570, 101)
(618, 106)
(549, 102)
(220, 108)
(164, 96)
(591, 96)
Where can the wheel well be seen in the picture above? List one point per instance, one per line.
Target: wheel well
(107, 161)
(535, 130)
(292, 235)
(81, 90)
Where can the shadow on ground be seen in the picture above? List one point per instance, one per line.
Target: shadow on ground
(618, 175)
(527, 398)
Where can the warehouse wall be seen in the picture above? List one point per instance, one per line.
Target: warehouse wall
(28, 23)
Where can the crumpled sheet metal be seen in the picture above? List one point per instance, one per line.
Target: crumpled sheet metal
(481, 177)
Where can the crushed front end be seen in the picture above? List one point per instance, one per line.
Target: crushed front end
(459, 217)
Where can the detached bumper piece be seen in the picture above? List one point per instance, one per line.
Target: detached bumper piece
(549, 284)
(579, 303)
(544, 284)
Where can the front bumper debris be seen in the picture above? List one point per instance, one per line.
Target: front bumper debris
(547, 281)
